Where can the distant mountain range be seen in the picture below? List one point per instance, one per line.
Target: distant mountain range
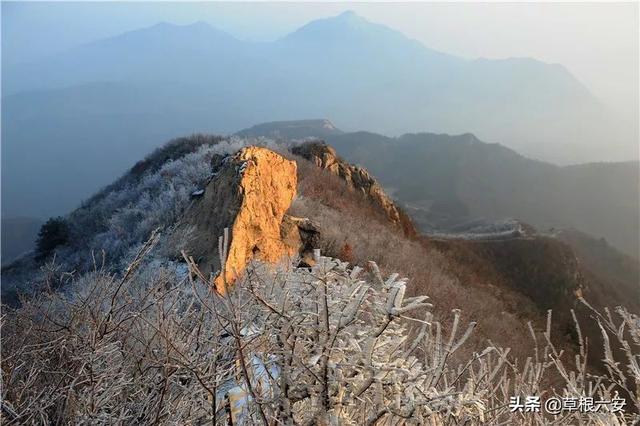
(294, 129)
(74, 121)
(446, 181)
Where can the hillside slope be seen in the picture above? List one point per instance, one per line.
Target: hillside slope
(446, 181)
(187, 192)
(139, 278)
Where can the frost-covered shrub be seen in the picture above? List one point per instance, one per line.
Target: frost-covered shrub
(286, 345)
(156, 200)
(123, 216)
(343, 218)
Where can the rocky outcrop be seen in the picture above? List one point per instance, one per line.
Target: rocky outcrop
(303, 234)
(357, 178)
(249, 194)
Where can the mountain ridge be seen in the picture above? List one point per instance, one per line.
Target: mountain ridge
(444, 180)
(156, 227)
(183, 194)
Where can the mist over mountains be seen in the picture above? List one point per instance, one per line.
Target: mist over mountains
(74, 121)
(362, 75)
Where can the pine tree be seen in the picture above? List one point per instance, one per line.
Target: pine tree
(54, 233)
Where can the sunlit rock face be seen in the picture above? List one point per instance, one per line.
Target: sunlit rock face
(357, 178)
(249, 194)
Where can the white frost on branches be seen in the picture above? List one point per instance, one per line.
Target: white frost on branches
(323, 345)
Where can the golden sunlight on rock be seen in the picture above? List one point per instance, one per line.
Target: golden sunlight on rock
(267, 187)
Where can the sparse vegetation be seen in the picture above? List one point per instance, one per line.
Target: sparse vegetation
(346, 217)
(154, 194)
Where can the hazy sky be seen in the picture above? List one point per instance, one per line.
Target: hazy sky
(597, 42)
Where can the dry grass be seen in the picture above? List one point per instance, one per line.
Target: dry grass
(346, 218)
(288, 345)
(304, 346)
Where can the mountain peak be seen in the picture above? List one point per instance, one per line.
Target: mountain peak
(349, 15)
(346, 25)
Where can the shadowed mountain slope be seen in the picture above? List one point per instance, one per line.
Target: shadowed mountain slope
(444, 181)
(295, 129)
